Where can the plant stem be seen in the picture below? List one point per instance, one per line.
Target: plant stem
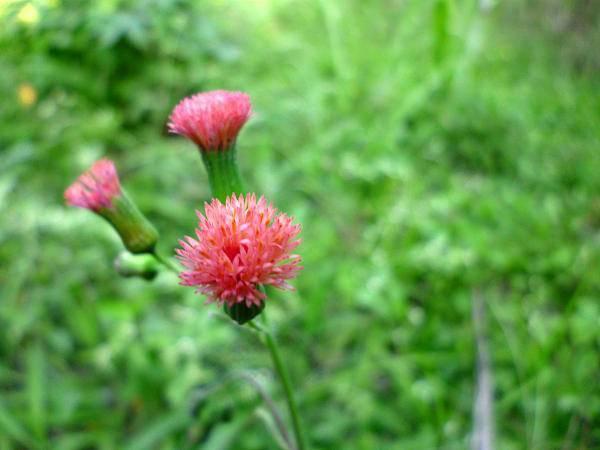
(223, 173)
(284, 378)
(167, 262)
(137, 233)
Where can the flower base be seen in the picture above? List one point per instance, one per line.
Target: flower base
(242, 313)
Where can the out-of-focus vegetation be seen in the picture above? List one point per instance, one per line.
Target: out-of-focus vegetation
(433, 151)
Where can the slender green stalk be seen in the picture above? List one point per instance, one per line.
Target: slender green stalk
(284, 378)
(167, 262)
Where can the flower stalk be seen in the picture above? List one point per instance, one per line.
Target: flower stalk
(223, 173)
(284, 379)
(143, 266)
(166, 261)
(137, 233)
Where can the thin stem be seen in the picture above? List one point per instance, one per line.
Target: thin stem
(284, 378)
(167, 262)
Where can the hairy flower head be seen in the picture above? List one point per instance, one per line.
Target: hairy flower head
(96, 188)
(239, 246)
(212, 120)
(99, 190)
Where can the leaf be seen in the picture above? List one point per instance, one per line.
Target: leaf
(441, 30)
(158, 430)
(267, 419)
(226, 434)
(36, 392)
(10, 426)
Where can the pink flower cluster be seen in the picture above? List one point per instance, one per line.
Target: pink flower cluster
(240, 245)
(95, 188)
(212, 119)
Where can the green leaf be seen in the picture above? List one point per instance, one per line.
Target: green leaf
(36, 390)
(158, 430)
(226, 435)
(10, 426)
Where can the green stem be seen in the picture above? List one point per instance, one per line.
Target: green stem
(167, 262)
(223, 174)
(284, 378)
(137, 233)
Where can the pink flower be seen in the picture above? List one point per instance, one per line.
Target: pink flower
(240, 246)
(96, 188)
(99, 190)
(211, 119)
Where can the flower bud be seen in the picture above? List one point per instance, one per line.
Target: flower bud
(142, 266)
(99, 190)
(212, 120)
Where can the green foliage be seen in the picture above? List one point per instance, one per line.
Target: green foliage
(429, 155)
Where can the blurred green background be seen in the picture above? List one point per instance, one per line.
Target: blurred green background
(435, 151)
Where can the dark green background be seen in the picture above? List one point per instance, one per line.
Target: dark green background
(432, 150)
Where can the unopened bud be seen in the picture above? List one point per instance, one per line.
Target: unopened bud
(142, 266)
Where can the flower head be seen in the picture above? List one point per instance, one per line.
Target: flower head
(240, 245)
(96, 188)
(212, 120)
(99, 190)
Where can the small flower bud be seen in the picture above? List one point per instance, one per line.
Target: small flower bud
(142, 266)
(212, 120)
(99, 190)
